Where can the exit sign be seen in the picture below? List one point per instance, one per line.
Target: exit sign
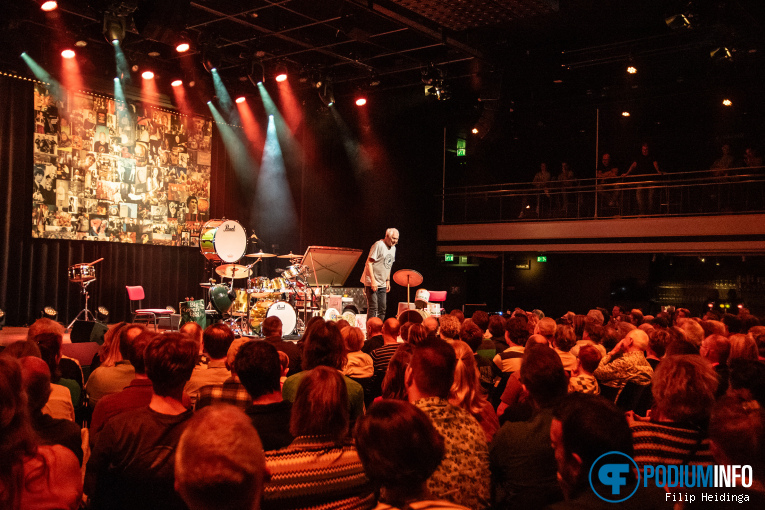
(463, 259)
(542, 258)
(449, 257)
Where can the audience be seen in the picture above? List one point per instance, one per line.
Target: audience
(360, 364)
(463, 475)
(683, 389)
(258, 367)
(382, 355)
(132, 463)
(50, 351)
(374, 335)
(522, 462)
(400, 449)
(231, 391)
(272, 332)
(467, 393)
(31, 475)
(216, 340)
(116, 371)
(219, 461)
(626, 362)
(582, 380)
(321, 466)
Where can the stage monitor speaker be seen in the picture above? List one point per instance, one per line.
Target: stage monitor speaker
(88, 331)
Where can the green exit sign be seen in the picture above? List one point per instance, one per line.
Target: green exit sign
(449, 257)
(461, 152)
(541, 258)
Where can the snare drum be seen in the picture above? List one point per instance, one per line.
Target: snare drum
(223, 240)
(82, 273)
(258, 284)
(286, 313)
(294, 271)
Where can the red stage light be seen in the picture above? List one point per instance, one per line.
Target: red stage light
(147, 75)
(182, 47)
(281, 77)
(176, 83)
(361, 101)
(68, 54)
(49, 6)
(240, 99)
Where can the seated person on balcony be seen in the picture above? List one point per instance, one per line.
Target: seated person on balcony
(645, 168)
(606, 174)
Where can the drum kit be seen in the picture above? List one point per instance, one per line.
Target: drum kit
(244, 308)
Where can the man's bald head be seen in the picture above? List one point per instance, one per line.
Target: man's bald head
(374, 326)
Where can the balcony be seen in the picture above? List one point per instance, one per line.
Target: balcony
(688, 213)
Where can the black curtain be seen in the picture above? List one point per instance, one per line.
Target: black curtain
(33, 272)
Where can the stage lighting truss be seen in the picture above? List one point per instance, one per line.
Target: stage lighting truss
(327, 93)
(257, 74)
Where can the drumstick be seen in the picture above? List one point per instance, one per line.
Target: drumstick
(94, 262)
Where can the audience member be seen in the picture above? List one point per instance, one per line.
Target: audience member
(716, 349)
(582, 380)
(216, 340)
(496, 329)
(516, 335)
(382, 355)
(615, 370)
(743, 346)
(463, 475)
(258, 368)
(231, 391)
(467, 393)
(431, 324)
(360, 364)
(563, 341)
(400, 449)
(683, 389)
(546, 327)
(584, 428)
(449, 327)
(115, 371)
(657, 346)
(747, 380)
(32, 475)
(137, 394)
(68, 368)
(272, 331)
(50, 352)
(459, 314)
(323, 346)
(394, 383)
(321, 467)
(194, 331)
(51, 431)
(132, 463)
(472, 336)
(219, 462)
(522, 463)
(374, 335)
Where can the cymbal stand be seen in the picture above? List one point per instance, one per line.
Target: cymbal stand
(88, 313)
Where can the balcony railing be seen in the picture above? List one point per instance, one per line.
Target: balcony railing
(737, 190)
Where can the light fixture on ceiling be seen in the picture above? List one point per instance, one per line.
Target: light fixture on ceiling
(114, 28)
(727, 102)
(49, 5)
(68, 53)
(721, 54)
(631, 69)
(281, 72)
(679, 21)
(625, 113)
(176, 83)
(361, 100)
(240, 99)
(327, 92)
(257, 74)
(183, 43)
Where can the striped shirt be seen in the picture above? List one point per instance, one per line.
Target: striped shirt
(510, 359)
(669, 443)
(315, 473)
(381, 357)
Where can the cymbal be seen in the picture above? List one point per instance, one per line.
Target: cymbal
(233, 271)
(260, 254)
(290, 255)
(408, 277)
(206, 285)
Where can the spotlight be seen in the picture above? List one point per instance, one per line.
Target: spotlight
(625, 114)
(49, 313)
(327, 93)
(257, 74)
(68, 53)
(147, 75)
(240, 99)
(475, 131)
(81, 42)
(727, 102)
(281, 73)
(210, 56)
(176, 83)
(361, 101)
(631, 69)
(103, 313)
(114, 28)
(183, 44)
(49, 5)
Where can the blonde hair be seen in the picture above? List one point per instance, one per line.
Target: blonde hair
(353, 338)
(466, 391)
(109, 353)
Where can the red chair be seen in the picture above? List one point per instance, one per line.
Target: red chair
(135, 293)
(437, 296)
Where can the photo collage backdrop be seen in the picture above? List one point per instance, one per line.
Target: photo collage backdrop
(106, 170)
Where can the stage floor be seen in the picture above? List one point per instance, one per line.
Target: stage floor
(8, 335)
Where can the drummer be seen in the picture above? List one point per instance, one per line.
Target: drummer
(376, 276)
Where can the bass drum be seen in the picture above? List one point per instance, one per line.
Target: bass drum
(414, 316)
(286, 313)
(222, 297)
(223, 240)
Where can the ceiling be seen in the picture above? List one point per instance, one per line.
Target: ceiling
(489, 49)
